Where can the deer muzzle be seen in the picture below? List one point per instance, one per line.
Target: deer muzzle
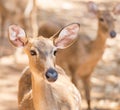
(112, 34)
(51, 75)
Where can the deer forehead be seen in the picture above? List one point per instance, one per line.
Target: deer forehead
(41, 43)
(107, 15)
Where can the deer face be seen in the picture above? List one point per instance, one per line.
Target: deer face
(41, 53)
(105, 18)
(106, 22)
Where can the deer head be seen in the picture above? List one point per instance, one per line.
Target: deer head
(41, 51)
(105, 18)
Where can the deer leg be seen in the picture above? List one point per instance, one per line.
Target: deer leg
(72, 75)
(86, 83)
(25, 100)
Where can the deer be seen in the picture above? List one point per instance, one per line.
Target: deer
(80, 59)
(43, 84)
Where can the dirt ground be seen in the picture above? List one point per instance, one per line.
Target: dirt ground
(105, 92)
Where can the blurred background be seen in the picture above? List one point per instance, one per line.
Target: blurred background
(105, 92)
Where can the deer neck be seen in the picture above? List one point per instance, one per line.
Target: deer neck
(42, 95)
(98, 44)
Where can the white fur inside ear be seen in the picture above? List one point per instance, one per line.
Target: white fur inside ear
(13, 35)
(116, 9)
(21, 33)
(63, 33)
(70, 32)
(67, 36)
(17, 36)
(92, 7)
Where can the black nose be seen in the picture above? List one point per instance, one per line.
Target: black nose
(51, 75)
(112, 34)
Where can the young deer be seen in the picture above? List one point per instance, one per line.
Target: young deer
(80, 60)
(44, 85)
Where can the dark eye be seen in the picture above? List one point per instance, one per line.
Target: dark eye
(55, 52)
(33, 52)
(101, 19)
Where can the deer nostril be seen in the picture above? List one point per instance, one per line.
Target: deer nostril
(51, 75)
(113, 34)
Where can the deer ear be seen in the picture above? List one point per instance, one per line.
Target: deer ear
(17, 36)
(116, 9)
(92, 7)
(66, 36)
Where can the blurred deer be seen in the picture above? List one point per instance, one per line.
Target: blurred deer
(81, 58)
(44, 85)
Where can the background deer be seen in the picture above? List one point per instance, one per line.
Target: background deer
(45, 86)
(82, 57)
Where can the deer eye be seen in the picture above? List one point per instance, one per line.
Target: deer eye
(55, 52)
(101, 19)
(33, 52)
